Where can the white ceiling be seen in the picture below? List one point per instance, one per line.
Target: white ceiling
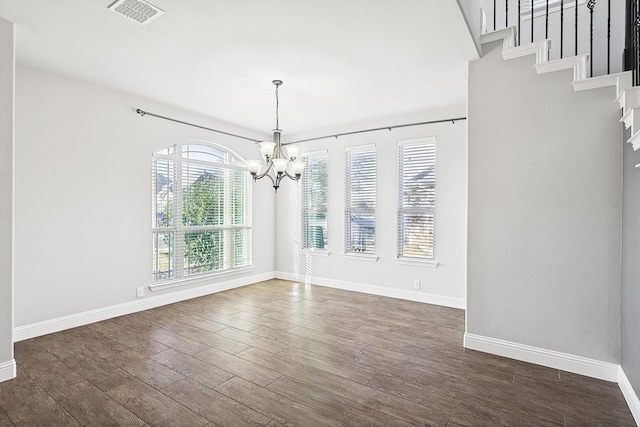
(344, 63)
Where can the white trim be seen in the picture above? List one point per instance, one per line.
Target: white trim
(194, 280)
(635, 140)
(598, 82)
(578, 63)
(79, 319)
(540, 356)
(360, 147)
(415, 141)
(629, 394)
(507, 35)
(442, 300)
(539, 48)
(631, 119)
(630, 99)
(7, 370)
(316, 252)
(539, 11)
(315, 153)
(431, 263)
(624, 83)
(360, 257)
(175, 158)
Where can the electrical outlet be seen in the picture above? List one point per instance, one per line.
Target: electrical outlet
(140, 291)
(416, 284)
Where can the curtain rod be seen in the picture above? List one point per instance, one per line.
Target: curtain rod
(143, 113)
(375, 129)
(453, 120)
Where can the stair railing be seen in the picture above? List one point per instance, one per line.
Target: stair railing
(534, 11)
(632, 40)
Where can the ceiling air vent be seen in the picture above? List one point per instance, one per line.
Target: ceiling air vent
(137, 10)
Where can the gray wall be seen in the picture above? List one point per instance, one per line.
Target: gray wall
(7, 61)
(92, 242)
(444, 284)
(473, 17)
(630, 342)
(544, 221)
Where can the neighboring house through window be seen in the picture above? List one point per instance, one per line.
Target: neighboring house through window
(417, 198)
(360, 200)
(314, 201)
(201, 216)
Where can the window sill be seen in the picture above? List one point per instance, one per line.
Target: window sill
(361, 257)
(196, 279)
(431, 263)
(316, 252)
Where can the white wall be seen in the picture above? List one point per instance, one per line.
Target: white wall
(630, 310)
(83, 195)
(544, 266)
(7, 64)
(444, 284)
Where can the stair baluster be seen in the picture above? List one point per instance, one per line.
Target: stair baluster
(546, 22)
(576, 25)
(561, 27)
(591, 4)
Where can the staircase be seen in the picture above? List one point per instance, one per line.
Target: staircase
(627, 96)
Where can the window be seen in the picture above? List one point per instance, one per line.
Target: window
(360, 200)
(314, 201)
(201, 216)
(417, 198)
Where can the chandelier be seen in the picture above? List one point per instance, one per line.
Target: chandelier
(278, 161)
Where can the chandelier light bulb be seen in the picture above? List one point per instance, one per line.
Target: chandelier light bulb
(280, 165)
(292, 152)
(297, 167)
(266, 147)
(254, 166)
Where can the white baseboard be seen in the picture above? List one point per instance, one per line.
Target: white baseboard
(629, 394)
(79, 319)
(540, 356)
(7, 370)
(442, 300)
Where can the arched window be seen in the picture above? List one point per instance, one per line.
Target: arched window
(201, 219)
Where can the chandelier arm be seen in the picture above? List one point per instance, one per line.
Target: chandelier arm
(266, 172)
(293, 177)
(274, 182)
(268, 175)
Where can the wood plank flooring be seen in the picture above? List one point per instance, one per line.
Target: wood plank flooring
(280, 353)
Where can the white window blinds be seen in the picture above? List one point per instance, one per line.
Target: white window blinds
(360, 199)
(314, 201)
(201, 212)
(417, 198)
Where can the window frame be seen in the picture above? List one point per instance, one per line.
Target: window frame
(349, 208)
(178, 273)
(305, 209)
(401, 211)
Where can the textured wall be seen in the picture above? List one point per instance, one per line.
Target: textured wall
(544, 209)
(83, 194)
(446, 283)
(7, 61)
(630, 342)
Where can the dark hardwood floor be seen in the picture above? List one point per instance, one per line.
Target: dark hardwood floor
(279, 353)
